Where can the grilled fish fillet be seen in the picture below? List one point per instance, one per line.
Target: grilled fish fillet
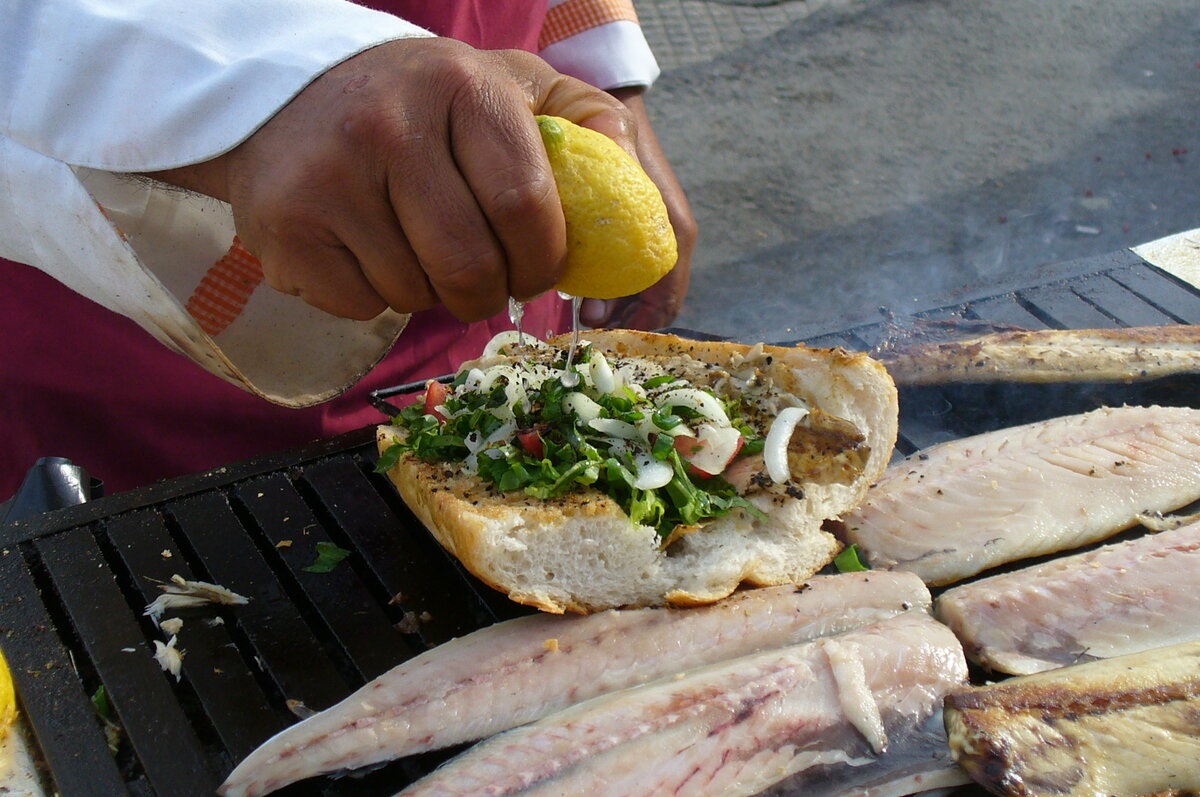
(964, 506)
(1115, 600)
(517, 671)
(1125, 727)
(1049, 355)
(735, 728)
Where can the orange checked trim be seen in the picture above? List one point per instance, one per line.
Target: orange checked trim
(223, 292)
(575, 16)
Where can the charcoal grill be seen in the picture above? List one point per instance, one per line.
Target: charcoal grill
(74, 582)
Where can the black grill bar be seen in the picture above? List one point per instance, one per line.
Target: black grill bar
(51, 694)
(229, 694)
(157, 727)
(74, 583)
(360, 623)
(283, 644)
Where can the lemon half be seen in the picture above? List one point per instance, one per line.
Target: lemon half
(8, 698)
(619, 237)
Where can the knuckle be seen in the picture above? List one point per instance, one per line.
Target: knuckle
(465, 271)
(523, 195)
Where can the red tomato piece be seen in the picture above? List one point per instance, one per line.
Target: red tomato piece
(435, 396)
(531, 441)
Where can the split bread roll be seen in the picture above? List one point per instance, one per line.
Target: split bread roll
(582, 553)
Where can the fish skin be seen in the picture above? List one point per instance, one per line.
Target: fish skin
(962, 507)
(918, 760)
(729, 729)
(1126, 726)
(512, 673)
(1114, 600)
(1048, 355)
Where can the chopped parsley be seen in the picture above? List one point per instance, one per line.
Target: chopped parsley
(523, 430)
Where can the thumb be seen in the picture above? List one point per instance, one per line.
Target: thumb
(589, 107)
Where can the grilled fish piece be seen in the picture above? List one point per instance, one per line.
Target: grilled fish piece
(735, 728)
(1114, 600)
(1125, 727)
(962, 507)
(1049, 355)
(519, 670)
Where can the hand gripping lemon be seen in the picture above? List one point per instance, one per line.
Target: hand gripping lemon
(619, 238)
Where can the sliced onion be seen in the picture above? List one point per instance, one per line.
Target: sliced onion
(473, 381)
(502, 433)
(615, 428)
(507, 338)
(652, 473)
(693, 398)
(649, 427)
(718, 446)
(584, 407)
(602, 374)
(776, 445)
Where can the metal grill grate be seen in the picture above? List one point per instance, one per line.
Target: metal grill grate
(73, 583)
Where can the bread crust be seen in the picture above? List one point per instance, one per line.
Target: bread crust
(582, 553)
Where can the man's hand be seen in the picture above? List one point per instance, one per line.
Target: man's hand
(658, 305)
(410, 175)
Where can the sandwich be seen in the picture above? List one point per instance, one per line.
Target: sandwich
(640, 469)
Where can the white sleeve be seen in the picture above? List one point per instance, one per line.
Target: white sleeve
(90, 89)
(600, 43)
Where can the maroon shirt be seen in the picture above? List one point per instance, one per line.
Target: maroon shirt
(79, 381)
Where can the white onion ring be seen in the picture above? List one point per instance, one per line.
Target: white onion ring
(776, 445)
(584, 407)
(614, 428)
(652, 473)
(602, 374)
(693, 398)
(510, 337)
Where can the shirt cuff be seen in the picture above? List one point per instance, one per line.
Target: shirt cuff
(169, 84)
(612, 56)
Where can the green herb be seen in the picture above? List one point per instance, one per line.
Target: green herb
(659, 381)
(328, 557)
(101, 704)
(849, 561)
(574, 455)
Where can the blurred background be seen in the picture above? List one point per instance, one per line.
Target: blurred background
(844, 155)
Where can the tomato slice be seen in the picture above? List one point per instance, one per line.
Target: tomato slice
(531, 441)
(435, 396)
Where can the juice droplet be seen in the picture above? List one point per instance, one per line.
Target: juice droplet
(569, 377)
(516, 314)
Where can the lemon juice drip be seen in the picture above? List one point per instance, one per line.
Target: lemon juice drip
(516, 314)
(569, 377)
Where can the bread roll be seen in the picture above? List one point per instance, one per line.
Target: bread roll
(582, 553)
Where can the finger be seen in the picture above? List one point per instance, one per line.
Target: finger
(326, 276)
(499, 150)
(443, 223)
(560, 95)
(387, 261)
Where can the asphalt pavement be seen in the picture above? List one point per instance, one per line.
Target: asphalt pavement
(846, 155)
